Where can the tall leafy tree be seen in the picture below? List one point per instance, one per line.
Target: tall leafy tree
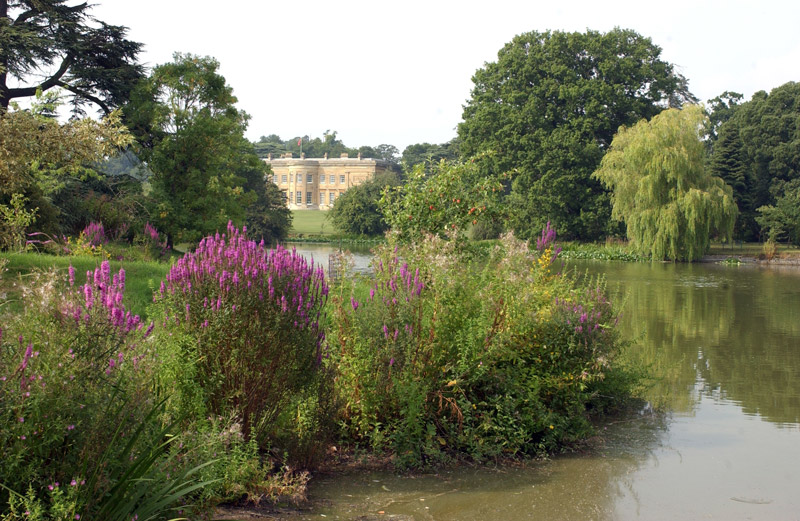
(62, 45)
(769, 131)
(549, 107)
(721, 109)
(193, 136)
(661, 189)
(730, 163)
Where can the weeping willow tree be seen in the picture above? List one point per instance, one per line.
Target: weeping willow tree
(670, 203)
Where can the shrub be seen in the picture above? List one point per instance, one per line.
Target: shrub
(439, 355)
(244, 326)
(83, 432)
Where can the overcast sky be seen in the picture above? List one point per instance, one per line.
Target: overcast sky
(399, 72)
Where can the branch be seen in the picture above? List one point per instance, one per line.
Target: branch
(78, 92)
(50, 82)
(25, 16)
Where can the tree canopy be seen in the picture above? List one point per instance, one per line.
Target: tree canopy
(550, 105)
(661, 189)
(205, 171)
(357, 211)
(427, 152)
(60, 40)
(766, 132)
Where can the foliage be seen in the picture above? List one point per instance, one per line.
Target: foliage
(382, 152)
(729, 163)
(89, 58)
(428, 153)
(437, 355)
(445, 201)
(782, 221)
(36, 150)
(357, 211)
(670, 204)
(768, 128)
(549, 106)
(244, 330)
(329, 144)
(610, 251)
(14, 220)
(192, 136)
(268, 217)
(84, 435)
(721, 109)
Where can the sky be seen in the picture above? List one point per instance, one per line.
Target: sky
(400, 72)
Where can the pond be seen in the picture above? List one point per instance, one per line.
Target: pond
(726, 342)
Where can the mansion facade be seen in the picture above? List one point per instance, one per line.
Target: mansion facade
(316, 183)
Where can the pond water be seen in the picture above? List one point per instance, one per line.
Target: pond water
(726, 342)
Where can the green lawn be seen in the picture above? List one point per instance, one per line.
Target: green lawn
(140, 277)
(311, 222)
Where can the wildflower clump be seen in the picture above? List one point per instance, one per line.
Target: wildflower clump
(440, 354)
(246, 326)
(75, 391)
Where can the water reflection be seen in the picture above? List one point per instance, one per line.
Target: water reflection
(726, 343)
(360, 254)
(729, 333)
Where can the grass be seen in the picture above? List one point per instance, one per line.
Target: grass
(140, 277)
(311, 222)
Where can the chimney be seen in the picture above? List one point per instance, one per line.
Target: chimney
(359, 156)
(269, 156)
(325, 156)
(302, 155)
(344, 155)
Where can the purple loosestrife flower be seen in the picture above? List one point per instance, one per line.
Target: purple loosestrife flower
(354, 303)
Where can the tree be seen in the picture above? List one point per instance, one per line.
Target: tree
(357, 211)
(267, 218)
(445, 201)
(39, 156)
(769, 131)
(428, 153)
(781, 221)
(90, 59)
(722, 108)
(550, 105)
(193, 141)
(670, 204)
(730, 164)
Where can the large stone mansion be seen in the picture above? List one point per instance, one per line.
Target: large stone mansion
(315, 183)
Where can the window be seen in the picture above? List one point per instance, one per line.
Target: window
(322, 179)
(309, 178)
(322, 198)
(285, 195)
(283, 179)
(308, 197)
(275, 178)
(341, 179)
(291, 194)
(333, 179)
(332, 197)
(299, 178)
(298, 197)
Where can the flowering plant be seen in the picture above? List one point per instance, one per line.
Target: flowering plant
(246, 320)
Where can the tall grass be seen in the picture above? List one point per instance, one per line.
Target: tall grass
(143, 277)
